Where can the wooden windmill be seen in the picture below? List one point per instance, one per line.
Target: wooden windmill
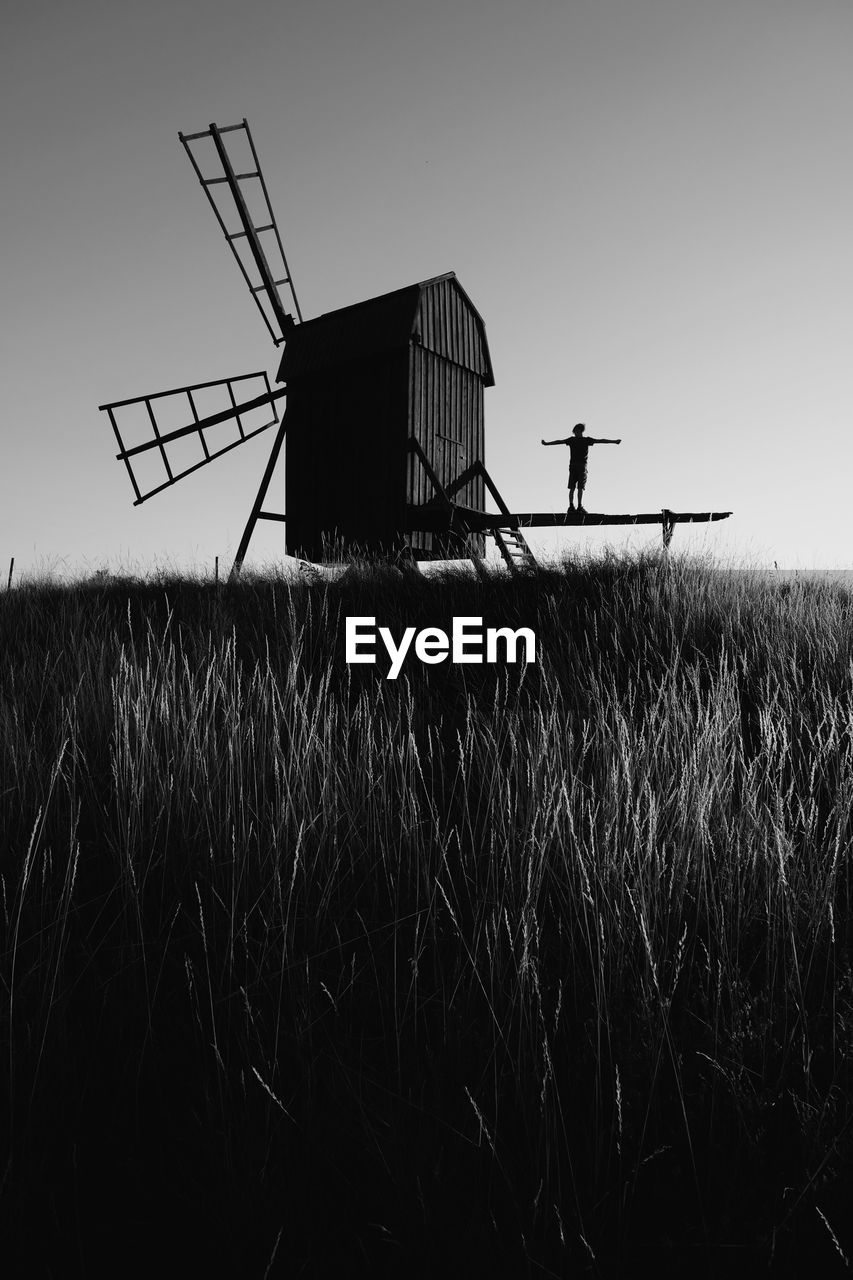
(384, 419)
(385, 398)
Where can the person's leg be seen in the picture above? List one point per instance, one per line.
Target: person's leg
(571, 495)
(581, 485)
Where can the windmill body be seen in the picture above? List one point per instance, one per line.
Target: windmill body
(363, 381)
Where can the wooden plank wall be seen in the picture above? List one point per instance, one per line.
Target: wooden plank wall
(447, 325)
(446, 413)
(446, 418)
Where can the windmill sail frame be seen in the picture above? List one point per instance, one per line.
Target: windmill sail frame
(277, 319)
(160, 439)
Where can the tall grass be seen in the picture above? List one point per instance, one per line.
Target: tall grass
(519, 970)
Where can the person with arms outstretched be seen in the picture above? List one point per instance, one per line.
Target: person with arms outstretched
(579, 444)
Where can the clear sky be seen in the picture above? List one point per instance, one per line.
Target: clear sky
(649, 201)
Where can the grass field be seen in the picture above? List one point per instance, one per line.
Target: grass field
(506, 970)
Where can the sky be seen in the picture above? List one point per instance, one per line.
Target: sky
(650, 202)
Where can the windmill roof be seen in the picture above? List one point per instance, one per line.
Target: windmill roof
(437, 313)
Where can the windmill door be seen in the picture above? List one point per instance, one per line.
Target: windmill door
(450, 458)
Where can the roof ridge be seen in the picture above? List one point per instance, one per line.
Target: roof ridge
(387, 318)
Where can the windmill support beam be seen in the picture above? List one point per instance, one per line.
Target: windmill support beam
(455, 533)
(442, 496)
(257, 513)
(454, 528)
(434, 517)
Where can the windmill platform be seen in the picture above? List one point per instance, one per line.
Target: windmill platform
(456, 524)
(435, 518)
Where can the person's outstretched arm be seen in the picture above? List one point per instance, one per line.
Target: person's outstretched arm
(557, 441)
(601, 440)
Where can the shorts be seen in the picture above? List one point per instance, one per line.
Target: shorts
(577, 476)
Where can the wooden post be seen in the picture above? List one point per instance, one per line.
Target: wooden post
(11, 567)
(667, 527)
(256, 513)
(216, 571)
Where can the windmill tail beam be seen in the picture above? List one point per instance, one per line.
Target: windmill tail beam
(433, 518)
(544, 519)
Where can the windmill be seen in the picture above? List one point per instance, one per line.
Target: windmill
(384, 420)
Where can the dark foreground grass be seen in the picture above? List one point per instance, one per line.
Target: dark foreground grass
(489, 971)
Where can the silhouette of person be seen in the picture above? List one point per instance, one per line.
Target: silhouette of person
(579, 445)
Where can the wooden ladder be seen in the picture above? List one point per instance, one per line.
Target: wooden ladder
(514, 549)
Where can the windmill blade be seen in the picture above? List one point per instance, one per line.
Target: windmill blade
(241, 203)
(159, 446)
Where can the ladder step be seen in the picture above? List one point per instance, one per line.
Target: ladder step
(209, 182)
(205, 133)
(514, 549)
(235, 235)
(258, 288)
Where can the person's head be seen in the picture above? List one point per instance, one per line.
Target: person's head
(579, 429)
